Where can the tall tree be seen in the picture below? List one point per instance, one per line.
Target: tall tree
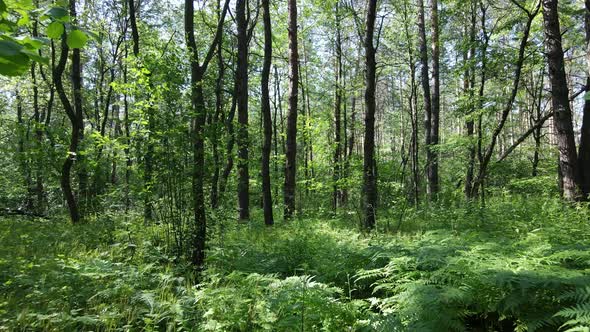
(562, 120)
(77, 97)
(266, 117)
(291, 144)
(484, 157)
(425, 80)
(584, 149)
(75, 116)
(433, 180)
(338, 90)
(199, 227)
(469, 90)
(369, 167)
(149, 154)
(242, 105)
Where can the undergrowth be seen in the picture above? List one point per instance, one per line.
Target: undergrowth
(517, 264)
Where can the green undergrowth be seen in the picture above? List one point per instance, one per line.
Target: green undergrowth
(517, 264)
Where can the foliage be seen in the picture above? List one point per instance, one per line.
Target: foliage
(502, 268)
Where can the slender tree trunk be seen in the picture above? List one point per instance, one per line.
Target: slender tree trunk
(40, 205)
(199, 228)
(486, 156)
(584, 149)
(77, 97)
(469, 87)
(369, 167)
(127, 150)
(426, 91)
(537, 132)
(291, 144)
(275, 135)
(133, 22)
(560, 103)
(229, 147)
(412, 101)
(433, 179)
(200, 224)
(337, 160)
(266, 117)
(242, 103)
(216, 118)
(65, 179)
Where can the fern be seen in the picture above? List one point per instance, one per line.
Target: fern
(578, 315)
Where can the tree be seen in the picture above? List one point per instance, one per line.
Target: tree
(568, 160)
(75, 115)
(369, 167)
(199, 227)
(584, 149)
(337, 160)
(291, 144)
(425, 81)
(266, 117)
(484, 157)
(242, 105)
(432, 154)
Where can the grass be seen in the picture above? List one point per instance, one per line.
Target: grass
(519, 264)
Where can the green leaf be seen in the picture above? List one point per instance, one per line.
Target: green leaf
(57, 12)
(33, 55)
(77, 39)
(9, 48)
(12, 64)
(2, 6)
(587, 95)
(24, 20)
(55, 30)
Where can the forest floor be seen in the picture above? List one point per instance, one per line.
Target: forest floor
(517, 264)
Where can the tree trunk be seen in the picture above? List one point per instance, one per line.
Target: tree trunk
(199, 229)
(584, 149)
(65, 179)
(266, 117)
(562, 119)
(337, 167)
(433, 180)
(485, 157)
(77, 96)
(469, 87)
(369, 167)
(214, 199)
(426, 91)
(242, 104)
(412, 102)
(291, 144)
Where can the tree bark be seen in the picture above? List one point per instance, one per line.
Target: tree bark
(266, 116)
(337, 160)
(562, 119)
(199, 228)
(469, 87)
(369, 169)
(214, 199)
(242, 104)
(291, 144)
(584, 149)
(433, 179)
(65, 178)
(426, 91)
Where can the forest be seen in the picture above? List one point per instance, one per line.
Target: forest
(295, 165)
